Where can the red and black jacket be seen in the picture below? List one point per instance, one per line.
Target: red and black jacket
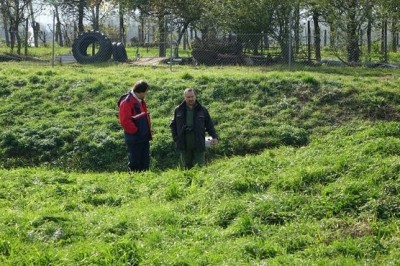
(134, 119)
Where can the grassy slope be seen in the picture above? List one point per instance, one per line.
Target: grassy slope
(65, 116)
(333, 201)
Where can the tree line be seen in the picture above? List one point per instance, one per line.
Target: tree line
(280, 20)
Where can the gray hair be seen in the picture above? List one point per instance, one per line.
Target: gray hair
(189, 90)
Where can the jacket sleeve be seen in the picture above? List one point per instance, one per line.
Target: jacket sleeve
(210, 125)
(125, 118)
(172, 126)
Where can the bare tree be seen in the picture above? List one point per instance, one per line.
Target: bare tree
(58, 33)
(4, 15)
(186, 12)
(14, 10)
(160, 10)
(34, 24)
(94, 6)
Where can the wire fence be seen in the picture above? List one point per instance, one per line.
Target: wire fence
(306, 48)
(260, 49)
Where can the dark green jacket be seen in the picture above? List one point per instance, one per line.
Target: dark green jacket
(202, 123)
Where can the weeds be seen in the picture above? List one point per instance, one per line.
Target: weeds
(306, 172)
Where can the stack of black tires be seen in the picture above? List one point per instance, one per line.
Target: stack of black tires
(100, 43)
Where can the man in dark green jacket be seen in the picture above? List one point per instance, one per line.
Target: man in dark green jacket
(189, 126)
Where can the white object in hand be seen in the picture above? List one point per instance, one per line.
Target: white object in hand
(209, 142)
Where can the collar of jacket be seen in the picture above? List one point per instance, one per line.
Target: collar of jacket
(183, 105)
(134, 95)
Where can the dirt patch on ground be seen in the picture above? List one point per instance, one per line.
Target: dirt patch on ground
(148, 61)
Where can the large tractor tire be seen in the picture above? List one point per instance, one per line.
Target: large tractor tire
(114, 51)
(92, 47)
(119, 52)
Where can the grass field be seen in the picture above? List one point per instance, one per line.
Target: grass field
(306, 172)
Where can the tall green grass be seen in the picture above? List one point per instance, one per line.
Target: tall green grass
(306, 171)
(332, 202)
(65, 116)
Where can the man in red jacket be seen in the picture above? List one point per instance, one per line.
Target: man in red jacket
(135, 120)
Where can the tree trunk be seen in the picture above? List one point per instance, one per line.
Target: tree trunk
(36, 32)
(394, 32)
(382, 37)
(67, 40)
(141, 31)
(19, 44)
(96, 17)
(284, 44)
(6, 32)
(75, 30)
(162, 32)
(5, 22)
(185, 40)
(34, 26)
(255, 41)
(181, 34)
(317, 36)
(309, 41)
(13, 34)
(81, 12)
(26, 37)
(58, 33)
(353, 51)
(121, 25)
(332, 36)
(369, 36)
(297, 29)
(43, 37)
(385, 47)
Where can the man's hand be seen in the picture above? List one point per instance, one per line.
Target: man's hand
(214, 141)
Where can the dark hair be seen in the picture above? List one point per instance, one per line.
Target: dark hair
(141, 86)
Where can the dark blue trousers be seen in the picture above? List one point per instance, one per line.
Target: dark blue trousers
(138, 156)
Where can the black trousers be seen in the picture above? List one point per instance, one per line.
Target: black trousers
(138, 156)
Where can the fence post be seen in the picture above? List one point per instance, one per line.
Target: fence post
(26, 37)
(170, 58)
(309, 40)
(52, 51)
(385, 39)
(290, 42)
